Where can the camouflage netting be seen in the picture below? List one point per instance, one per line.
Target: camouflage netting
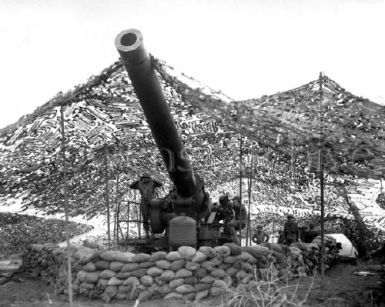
(104, 121)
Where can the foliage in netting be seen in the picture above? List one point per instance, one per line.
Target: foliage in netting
(18, 231)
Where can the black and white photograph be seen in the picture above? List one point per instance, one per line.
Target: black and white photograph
(213, 153)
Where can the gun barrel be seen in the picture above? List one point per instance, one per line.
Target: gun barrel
(138, 64)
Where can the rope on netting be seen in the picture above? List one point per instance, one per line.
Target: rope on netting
(69, 272)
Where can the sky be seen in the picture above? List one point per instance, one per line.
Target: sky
(244, 48)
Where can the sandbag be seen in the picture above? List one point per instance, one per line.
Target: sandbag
(208, 279)
(141, 257)
(85, 254)
(124, 257)
(202, 286)
(273, 246)
(173, 295)
(176, 282)
(128, 267)
(257, 250)
(165, 289)
(229, 259)
(123, 275)
(208, 251)
(139, 272)
(107, 274)
(172, 256)
(102, 264)
(115, 282)
(116, 266)
(184, 289)
(302, 246)
(220, 284)
(187, 252)
(199, 257)
(87, 286)
(146, 280)
(201, 295)
(163, 264)
(192, 266)
(154, 271)
(201, 272)
(89, 267)
(177, 264)
(158, 256)
(215, 291)
(231, 271)
(167, 275)
(224, 251)
(245, 256)
(192, 280)
(132, 281)
(235, 249)
(92, 277)
(208, 266)
(295, 250)
(145, 264)
(218, 273)
(183, 273)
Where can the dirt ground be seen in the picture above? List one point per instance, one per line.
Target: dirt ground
(341, 287)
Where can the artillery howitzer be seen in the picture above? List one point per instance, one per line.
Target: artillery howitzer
(184, 215)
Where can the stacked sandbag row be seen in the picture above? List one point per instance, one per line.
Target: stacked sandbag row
(302, 259)
(43, 260)
(186, 273)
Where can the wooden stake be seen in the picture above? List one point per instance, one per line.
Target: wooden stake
(69, 270)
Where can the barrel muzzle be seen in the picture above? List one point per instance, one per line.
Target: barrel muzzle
(129, 44)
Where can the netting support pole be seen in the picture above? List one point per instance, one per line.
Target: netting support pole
(117, 201)
(240, 179)
(69, 270)
(128, 219)
(321, 174)
(248, 238)
(107, 196)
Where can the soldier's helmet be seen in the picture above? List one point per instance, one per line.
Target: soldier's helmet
(224, 199)
(237, 198)
(146, 175)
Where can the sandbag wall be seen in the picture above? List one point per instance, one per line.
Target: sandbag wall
(187, 273)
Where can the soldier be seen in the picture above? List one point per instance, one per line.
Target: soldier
(240, 211)
(260, 236)
(310, 234)
(291, 230)
(225, 213)
(225, 210)
(146, 186)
